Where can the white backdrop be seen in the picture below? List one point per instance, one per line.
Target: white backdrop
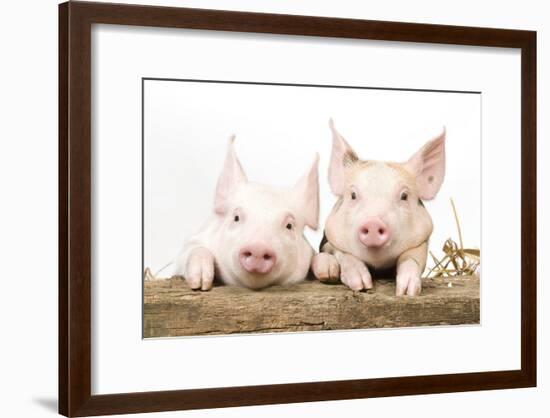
(279, 129)
(28, 223)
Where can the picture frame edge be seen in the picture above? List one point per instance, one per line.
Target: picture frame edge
(74, 230)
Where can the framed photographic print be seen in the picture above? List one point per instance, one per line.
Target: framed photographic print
(315, 188)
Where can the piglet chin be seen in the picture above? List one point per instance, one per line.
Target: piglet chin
(256, 281)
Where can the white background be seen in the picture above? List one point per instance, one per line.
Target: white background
(279, 129)
(29, 213)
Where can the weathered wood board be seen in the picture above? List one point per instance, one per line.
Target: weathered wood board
(171, 308)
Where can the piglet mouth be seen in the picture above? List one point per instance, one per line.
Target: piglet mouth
(378, 249)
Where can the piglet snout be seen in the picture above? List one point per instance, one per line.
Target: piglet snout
(257, 258)
(374, 233)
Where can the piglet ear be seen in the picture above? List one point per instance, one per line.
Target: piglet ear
(428, 165)
(342, 156)
(306, 191)
(231, 176)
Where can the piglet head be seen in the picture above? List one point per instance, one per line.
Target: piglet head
(380, 213)
(261, 228)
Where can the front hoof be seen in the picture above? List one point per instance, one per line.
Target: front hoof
(408, 281)
(354, 274)
(325, 267)
(200, 270)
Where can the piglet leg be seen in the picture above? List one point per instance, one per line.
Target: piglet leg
(199, 271)
(331, 262)
(410, 266)
(353, 272)
(326, 268)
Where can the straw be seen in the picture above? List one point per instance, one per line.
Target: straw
(457, 261)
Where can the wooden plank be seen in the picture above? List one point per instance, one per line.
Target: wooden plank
(173, 309)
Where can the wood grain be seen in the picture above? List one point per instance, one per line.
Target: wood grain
(172, 309)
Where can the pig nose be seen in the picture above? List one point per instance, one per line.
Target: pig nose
(257, 258)
(374, 233)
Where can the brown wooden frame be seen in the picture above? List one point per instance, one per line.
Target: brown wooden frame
(75, 22)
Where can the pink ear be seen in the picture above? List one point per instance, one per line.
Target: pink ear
(231, 176)
(428, 165)
(307, 193)
(342, 156)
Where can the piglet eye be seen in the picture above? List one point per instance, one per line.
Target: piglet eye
(404, 196)
(353, 195)
(236, 218)
(289, 226)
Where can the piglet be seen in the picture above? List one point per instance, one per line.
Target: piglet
(379, 225)
(254, 237)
